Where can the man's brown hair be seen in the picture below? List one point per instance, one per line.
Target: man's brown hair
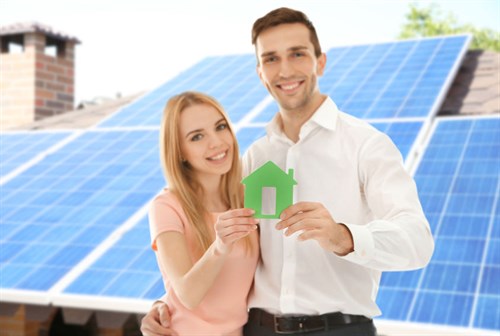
(285, 15)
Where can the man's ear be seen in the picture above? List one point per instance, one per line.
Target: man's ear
(320, 68)
(259, 72)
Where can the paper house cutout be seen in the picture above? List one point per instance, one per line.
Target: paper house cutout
(269, 175)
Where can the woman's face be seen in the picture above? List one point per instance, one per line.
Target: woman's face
(207, 143)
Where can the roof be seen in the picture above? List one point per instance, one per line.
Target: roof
(476, 88)
(36, 27)
(81, 118)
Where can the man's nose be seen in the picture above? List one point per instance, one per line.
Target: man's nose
(286, 69)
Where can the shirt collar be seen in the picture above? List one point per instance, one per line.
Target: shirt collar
(325, 116)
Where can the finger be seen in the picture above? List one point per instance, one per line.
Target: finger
(164, 315)
(243, 212)
(238, 221)
(310, 234)
(152, 328)
(237, 236)
(308, 224)
(226, 232)
(298, 217)
(298, 207)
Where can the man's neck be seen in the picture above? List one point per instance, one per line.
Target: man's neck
(292, 121)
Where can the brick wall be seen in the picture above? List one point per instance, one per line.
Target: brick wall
(17, 92)
(34, 85)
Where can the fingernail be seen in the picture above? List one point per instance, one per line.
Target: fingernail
(278, 226)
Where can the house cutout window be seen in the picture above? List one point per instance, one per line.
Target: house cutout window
(260, 182)
(268, 201)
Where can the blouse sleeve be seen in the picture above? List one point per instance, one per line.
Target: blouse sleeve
(163, 216)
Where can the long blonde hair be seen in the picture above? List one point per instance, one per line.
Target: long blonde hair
(180, 177)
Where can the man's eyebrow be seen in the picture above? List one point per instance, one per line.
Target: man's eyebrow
(294, 48)
(297, 48)
(268, 53)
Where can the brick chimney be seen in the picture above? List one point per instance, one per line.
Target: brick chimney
(37, 73)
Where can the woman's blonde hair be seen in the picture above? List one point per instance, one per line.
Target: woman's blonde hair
(180, 177)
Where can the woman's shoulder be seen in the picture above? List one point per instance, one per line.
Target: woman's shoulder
(166, 197)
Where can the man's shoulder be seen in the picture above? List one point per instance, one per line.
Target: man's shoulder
(355, 125)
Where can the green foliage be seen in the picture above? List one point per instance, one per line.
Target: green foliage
(429, 21)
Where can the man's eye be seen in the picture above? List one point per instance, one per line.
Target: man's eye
(196, 137)
(298, 54)
(270, 60)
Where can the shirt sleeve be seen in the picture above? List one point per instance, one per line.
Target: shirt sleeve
(400, 237)
(163, 216)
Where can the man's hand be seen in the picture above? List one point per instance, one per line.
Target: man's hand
(316, 223)
(157, 321)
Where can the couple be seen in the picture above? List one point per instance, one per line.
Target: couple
(356, 210)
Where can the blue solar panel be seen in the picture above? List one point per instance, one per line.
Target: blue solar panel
(393, 80)
(69, 205)
(459, 186)
(71, 201)
(403, 134)
(127, 270)
(17, 149)
(230, 79)
(389, 80)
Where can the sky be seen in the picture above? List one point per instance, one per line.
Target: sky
(129, 46)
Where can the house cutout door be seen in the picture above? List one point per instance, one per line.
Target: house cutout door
(268, 201)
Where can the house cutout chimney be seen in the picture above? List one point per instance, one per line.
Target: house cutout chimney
(37, 66)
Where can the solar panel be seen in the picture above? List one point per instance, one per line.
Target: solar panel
(56, 212)
(402, 133)
(80, 208)
(393, 80)
(230, 79)
(127, 270)
(400, 79)
(18, 148)
(459, 186)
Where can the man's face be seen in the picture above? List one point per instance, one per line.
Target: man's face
(288, 67)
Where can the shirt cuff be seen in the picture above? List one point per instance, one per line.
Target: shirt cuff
(364, 247)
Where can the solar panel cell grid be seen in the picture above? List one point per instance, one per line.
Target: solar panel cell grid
(461, 202)
(60, 209)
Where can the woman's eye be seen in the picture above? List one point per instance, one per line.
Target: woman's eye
(221, 127)
(196, 137)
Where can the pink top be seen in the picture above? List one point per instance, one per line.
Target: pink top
(223, 311)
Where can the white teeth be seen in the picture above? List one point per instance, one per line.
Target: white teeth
(218, 157)
(290, 86)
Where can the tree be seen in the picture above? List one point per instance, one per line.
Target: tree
(429, 21)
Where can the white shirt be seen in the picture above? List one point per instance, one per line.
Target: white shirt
(357, 173)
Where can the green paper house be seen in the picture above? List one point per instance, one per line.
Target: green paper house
(271, 185)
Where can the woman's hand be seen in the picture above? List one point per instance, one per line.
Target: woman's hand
(231, 226)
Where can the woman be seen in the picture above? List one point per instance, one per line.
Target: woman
(206, 244)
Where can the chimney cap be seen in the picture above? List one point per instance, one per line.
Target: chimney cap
(36, 27)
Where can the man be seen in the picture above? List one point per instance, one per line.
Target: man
(356, 210)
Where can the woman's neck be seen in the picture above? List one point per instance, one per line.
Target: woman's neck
(212, 196)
